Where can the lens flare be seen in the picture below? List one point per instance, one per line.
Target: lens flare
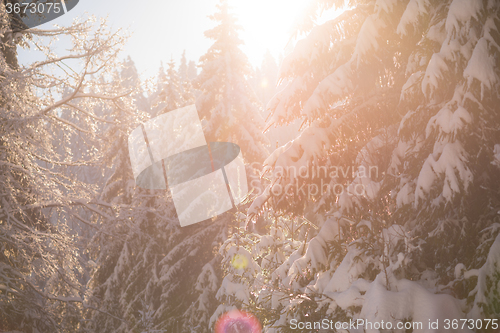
(239, 261)
(237, 321)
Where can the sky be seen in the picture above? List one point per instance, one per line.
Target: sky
(164, 29)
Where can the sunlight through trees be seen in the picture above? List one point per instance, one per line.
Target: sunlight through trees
(373, 163)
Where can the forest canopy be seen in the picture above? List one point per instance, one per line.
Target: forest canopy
(372, 153)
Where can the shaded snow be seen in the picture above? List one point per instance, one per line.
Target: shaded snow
(413, 11)
(486, 281)
(481, 66)
(451, 163)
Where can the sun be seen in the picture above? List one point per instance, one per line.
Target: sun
(267, 25)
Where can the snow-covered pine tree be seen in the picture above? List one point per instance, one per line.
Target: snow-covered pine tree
(40, 289)
(192, 71)
(252, 263)
(170, 93)
(187, 92)
(183, 68)
(227, 101)
(131, 80)
(154, 96)
(399, 164)
(266, 86)
(121, 237)
(146, 266)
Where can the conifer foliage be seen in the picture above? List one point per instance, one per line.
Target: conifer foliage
(187, 90)
(396, 167)
(227, 101)
(168, 94)
(150, 275)
(385, 207)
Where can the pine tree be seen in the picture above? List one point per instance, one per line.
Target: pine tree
(154, 98)
(266, 85)
(192, 72)
(407, 90)
(227, 101)
(146, 265)
(115, 245)
(131, 80)
(187, 93)
(169, 94)
(183, 68)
